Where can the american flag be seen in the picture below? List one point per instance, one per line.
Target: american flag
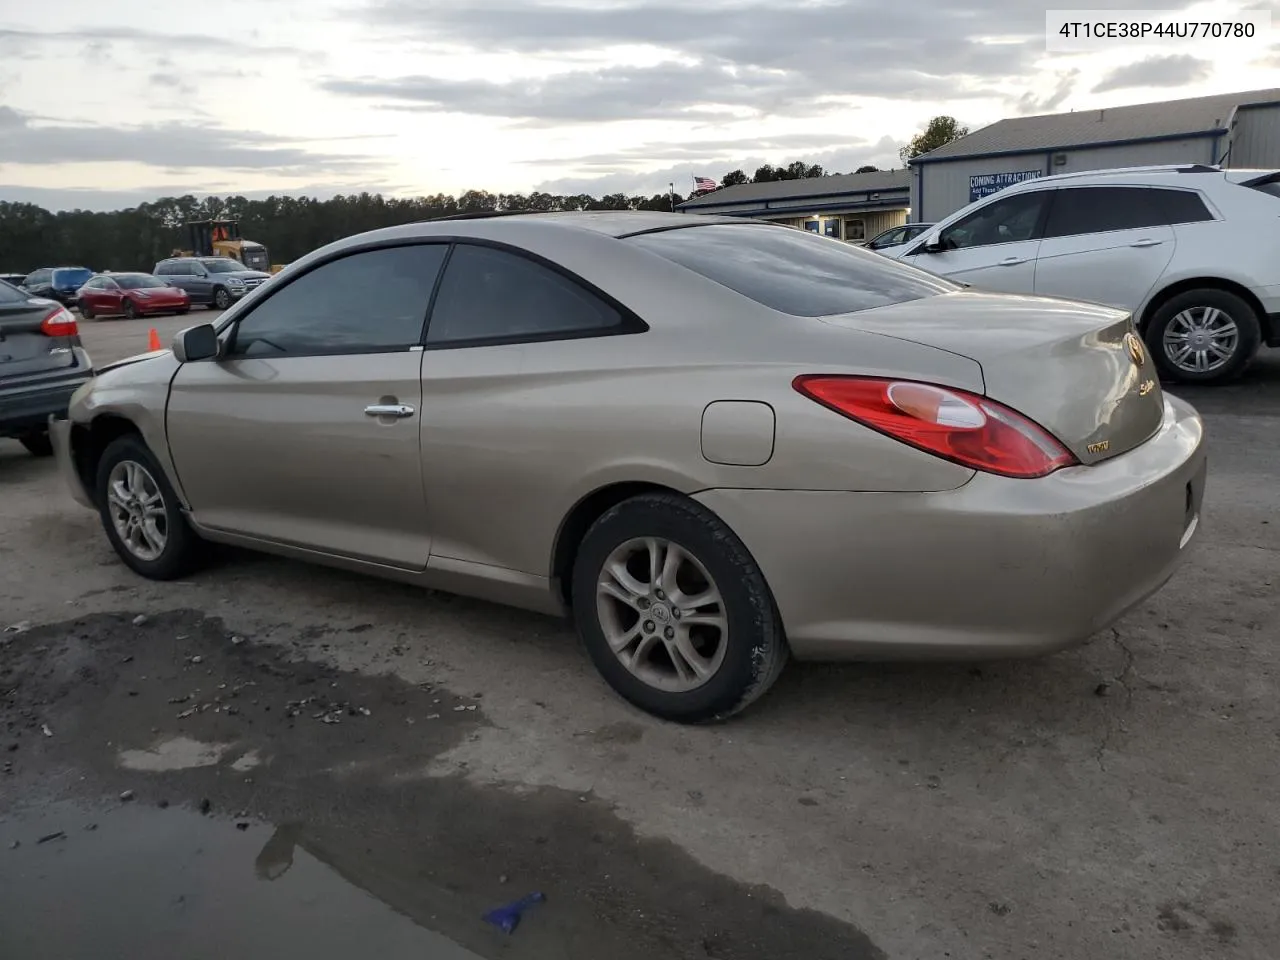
(704, 183)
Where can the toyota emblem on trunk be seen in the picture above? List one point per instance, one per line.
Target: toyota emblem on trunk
(1137, 352)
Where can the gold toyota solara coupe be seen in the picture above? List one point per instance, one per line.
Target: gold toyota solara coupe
(713, 443)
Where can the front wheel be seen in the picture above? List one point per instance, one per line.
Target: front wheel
(674, 612)
(1204, 336)
(140, 513)
(86, 311)
(221, 298)
(130, 311)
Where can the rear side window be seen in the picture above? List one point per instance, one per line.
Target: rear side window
(11, 294)
(489, 295)
(792, 271)
(1081, 210)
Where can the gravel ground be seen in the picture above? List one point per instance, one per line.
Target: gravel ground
(1113, 801)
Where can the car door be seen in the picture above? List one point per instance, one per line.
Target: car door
(198, 284)
(1110, 244)
(305, 430)
(107, 296)
(510, 345)
(993, 247)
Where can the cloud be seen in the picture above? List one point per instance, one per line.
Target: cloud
(1030, 103)
(171, 146)
(171, 82)
(1173, 71)
(100, 37)
(754, 56)
(89, 198)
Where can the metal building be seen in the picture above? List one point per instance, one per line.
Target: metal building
(847, 206)
(1239, 130)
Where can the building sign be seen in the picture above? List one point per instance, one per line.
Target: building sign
(985, 184)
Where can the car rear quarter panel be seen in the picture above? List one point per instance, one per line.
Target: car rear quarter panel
(514, 436)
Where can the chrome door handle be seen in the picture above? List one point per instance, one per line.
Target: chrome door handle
(1147, 243)
(388, 410)
(1012, 261)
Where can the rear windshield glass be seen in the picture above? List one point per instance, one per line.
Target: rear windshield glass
(11, 294)
(137, 281)
(71, 277)
(1266, 184)
(793, 271)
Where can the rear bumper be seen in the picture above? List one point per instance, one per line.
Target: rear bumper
(27, 409)
(995, 568)
(60, 434)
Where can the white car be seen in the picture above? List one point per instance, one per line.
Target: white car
(1192, 251)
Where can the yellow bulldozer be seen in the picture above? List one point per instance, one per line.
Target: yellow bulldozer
(221, 238)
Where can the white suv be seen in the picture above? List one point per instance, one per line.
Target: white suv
(1193, 251)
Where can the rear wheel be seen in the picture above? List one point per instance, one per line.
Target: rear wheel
(182, 310)
(221, 298)
(674, 612)
(130, 311)
(38, 444)
(1204, 336)
(140, 513)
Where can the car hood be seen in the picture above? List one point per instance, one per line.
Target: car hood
(130, 361)
(242, 275)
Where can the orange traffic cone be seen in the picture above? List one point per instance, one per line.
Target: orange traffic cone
(154, 342)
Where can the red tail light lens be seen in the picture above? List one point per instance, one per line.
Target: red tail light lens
(59, 323)
(956, 425)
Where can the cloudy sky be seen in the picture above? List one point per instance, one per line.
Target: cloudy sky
(106, 104)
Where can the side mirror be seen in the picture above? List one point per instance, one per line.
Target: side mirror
(196, 343)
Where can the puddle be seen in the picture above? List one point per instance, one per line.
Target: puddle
(179, 753)
(148, 883)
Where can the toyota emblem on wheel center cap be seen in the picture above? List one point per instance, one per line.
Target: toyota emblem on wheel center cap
(1137, 352)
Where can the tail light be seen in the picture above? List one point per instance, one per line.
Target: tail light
(956, 425)
(59, 323)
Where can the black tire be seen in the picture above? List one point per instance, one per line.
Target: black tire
(755, 646)
(183, 312)
(183, 550)
(1246, 344)
(221, 298)
(86, 311)
(38, 444)
(130, 311)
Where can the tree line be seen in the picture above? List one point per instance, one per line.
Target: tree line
(289, 227)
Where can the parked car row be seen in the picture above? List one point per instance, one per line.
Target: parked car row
(1189, 251)
(173, 287)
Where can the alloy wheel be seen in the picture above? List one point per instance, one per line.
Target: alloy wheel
(137, 510)
(662, 614)
(1201, 339)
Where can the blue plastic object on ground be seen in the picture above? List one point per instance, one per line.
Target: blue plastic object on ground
(507, 918)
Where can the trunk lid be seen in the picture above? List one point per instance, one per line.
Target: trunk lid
(25, 350)
(1078, 370)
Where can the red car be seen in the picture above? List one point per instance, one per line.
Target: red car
(130, 294)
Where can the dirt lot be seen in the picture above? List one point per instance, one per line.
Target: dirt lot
(317, 764)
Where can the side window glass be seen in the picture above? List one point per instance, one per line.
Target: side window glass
(1009, 220)
(1180, 206)
(1083, 210)
(164, 270)
(366, 302)
(490, 294)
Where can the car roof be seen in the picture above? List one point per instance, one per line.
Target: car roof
(1173, 174)
(612, 223)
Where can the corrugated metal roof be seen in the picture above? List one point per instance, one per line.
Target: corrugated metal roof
(809, 187)
(1139, 122)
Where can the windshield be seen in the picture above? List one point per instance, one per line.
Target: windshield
(793, 271)
(71, 277)
(137, 281)
(223, 266)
